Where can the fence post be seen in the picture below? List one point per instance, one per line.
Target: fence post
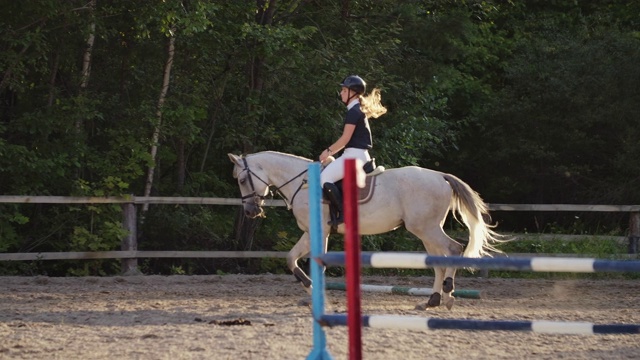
(634, 232)
(130, 241)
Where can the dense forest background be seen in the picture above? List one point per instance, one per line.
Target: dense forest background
(528, 101)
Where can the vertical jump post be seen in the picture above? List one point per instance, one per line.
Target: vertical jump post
(352, 253)
(319, 350)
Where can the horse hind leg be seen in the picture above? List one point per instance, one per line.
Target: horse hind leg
(447, 287)
(438, 243)
(442, 291)
(449, 275)
(435, 298)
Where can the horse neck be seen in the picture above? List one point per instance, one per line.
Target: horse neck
(281, 169)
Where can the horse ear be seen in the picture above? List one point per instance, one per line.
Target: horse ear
(235, 159)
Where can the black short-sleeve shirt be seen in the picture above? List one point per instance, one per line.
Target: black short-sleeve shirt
(361, 138)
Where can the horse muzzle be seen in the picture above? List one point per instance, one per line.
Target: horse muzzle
(253, 211)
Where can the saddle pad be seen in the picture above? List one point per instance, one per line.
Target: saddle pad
(365, 194)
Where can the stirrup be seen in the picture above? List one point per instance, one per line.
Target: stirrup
(336, 222)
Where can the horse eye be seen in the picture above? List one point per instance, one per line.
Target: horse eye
(242, 181)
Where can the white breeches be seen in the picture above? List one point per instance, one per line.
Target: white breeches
(335, 171)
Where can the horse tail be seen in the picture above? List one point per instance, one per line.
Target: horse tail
(472, 210)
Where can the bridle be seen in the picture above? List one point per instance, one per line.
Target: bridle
(256, 198)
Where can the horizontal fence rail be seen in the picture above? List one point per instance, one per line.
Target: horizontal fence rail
(203, 254)
(563, 207)
(137, 200)
(131, 199)
(135, 254)
(129, 253)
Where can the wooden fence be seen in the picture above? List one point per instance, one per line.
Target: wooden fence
(130, 254)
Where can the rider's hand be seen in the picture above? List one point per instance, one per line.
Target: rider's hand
(325, 154)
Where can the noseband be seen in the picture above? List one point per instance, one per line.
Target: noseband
(253, 189)
(257, 197)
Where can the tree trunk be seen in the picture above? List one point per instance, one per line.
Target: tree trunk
(214, 117)
(52, 80)
(215, 107)
(86, 61)
(7, 73)
(181, 164)
(344, 10)
(634, 232)
(245, 227)
(156, 132)
(264, 17)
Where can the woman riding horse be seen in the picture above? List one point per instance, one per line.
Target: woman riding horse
(421, 204)
(355, 139)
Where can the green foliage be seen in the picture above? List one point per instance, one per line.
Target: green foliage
(533, 102)
(9, 220)
(177, 270)
(598, 247)
(586, 246)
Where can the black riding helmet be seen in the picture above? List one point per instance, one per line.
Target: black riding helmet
(355, 83)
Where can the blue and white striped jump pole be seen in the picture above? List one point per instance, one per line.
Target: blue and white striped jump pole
(319, 350)
(426, 323)
(537, 264)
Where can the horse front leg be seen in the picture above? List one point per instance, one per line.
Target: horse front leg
(301, 248)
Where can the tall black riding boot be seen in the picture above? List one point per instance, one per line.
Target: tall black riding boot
(335, 197)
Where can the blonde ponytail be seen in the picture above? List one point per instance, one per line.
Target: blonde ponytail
(371, 104)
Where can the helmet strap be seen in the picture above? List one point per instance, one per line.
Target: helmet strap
(351, 96)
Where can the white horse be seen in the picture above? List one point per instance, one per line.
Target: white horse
(417, 198)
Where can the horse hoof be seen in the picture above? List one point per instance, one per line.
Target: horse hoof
(434, 300)
(449, 304)
(424, 306)
(309, 289)
(447, 285)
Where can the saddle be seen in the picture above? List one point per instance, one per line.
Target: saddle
(366, 193)
(333, 194)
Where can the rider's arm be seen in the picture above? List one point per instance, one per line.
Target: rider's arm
(347, 132)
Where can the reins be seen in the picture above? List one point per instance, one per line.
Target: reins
(277, 188)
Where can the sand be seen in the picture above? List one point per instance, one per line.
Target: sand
(258, 317)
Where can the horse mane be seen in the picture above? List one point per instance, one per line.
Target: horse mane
(279, 154)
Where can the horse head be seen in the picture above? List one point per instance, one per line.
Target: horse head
(252, 186)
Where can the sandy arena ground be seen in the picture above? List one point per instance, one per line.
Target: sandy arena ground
(183, 317)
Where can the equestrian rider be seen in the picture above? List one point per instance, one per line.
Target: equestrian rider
(355, 139)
